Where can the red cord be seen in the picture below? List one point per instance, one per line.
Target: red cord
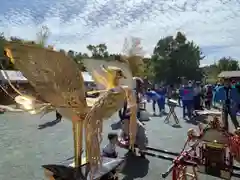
(234, 146)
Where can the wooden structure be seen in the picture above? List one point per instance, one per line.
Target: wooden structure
(211, 151)
(233, 75)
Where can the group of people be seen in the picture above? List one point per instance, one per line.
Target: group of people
(226, 93)
(191, 96)
(194, 96)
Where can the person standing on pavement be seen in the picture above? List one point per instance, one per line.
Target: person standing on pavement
(197, 96)
(231, 97)
(179, 96)
(170, 91)
(187, 94)
(208, 97)
(216, 97)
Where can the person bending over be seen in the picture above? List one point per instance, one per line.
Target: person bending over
(155, 97)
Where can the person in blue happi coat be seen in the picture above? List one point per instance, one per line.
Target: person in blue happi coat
(161, 101)
(155, 97)
(187, 94)
(230, 96)
(216, 96)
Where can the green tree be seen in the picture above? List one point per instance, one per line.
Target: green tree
(227, 64)
(98, 51)
(102, 50)
(175, 57)
(210, 73)
(224, 64)
(92, 49)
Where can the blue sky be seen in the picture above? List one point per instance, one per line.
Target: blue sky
(213, 24)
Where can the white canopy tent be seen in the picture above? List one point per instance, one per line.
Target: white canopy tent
(87, 77)
(17, 76)
(13, 76)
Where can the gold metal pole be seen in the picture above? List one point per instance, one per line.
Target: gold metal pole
(78, 141)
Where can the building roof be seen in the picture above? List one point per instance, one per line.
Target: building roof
(229, 74)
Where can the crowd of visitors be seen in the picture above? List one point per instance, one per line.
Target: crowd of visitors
(194, 96)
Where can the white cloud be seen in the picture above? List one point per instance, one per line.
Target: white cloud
(213, 24)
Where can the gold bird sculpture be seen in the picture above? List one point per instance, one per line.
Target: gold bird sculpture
(108, 103)
(43, 68)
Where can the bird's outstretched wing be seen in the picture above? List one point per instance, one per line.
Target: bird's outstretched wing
(53, 75)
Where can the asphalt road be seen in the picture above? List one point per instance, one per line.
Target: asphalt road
(24, 147)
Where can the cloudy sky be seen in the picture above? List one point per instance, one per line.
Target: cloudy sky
(213, 24)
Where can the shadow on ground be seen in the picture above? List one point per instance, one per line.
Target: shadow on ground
(116, 126)
(135, 167)
(198, 119)
(49, 124)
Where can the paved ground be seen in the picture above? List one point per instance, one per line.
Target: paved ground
(24, 147)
